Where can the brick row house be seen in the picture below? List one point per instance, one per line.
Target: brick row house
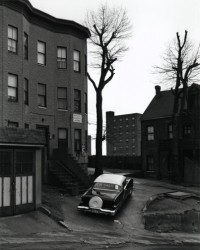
(157, 136)
(43, 87)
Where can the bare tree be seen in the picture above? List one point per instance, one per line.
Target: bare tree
(109, 29)
(181, 67)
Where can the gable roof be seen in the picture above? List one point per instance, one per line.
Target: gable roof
(161, 105)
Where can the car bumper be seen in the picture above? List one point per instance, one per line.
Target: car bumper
(97, 210)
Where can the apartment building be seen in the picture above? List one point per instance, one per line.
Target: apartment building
(43, 83)
(123, 134)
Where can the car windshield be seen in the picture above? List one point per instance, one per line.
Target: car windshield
(106, 186)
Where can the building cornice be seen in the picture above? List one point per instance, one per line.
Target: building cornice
(45, 20)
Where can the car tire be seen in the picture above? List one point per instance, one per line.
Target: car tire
(96, 202)
(130, 193)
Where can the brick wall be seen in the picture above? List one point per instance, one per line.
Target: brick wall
(47, 74)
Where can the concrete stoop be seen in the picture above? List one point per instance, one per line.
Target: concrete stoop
(174, 211)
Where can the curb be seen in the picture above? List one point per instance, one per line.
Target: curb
(54, 217)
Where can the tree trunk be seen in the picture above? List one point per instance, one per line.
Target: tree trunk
(177, 171)
(98, 163)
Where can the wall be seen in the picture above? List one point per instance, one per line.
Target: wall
(47, 74)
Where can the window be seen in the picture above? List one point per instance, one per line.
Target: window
(77, 140)
(187, 130)
(85, 102)
(85, 65)
(62, 98)
(62, 58)
(41, 54)
(77, 100)
(6, 162)
(77, 66)
(13, 124)
(26, 91)
(25, 46)
(12, 87)
(26, 125)
(62, 138)
(42, 95)
(24, 162)
(86, 140)
(150, 133)
(12, 39)
(150, 163)
(170, 131)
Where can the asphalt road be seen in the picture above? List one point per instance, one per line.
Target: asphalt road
(92, 231)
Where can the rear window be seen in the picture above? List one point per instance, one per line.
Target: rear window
(107, 186)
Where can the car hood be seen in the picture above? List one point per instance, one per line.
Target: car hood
(103, 194)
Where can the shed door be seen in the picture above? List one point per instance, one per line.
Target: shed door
(6, 192)
(24, 181)
(16, 181)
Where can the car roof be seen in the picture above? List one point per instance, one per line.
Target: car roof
(110, 178)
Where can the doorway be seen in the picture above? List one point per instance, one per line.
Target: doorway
(17, 180)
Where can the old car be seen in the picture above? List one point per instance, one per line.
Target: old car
(107, 194)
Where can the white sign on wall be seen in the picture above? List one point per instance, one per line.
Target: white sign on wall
(77, 118)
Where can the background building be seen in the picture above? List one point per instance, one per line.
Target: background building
(157, 136)
(123, 134)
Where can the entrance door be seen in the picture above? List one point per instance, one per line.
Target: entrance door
(16, 181)
(45, 152)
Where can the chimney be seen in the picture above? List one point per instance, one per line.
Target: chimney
(157, 88)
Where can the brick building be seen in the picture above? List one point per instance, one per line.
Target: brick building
(123, 134)
(157, 136)
(43, 78)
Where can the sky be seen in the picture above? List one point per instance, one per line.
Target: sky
(154, 27)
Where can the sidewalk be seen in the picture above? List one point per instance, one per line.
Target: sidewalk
(31, 223)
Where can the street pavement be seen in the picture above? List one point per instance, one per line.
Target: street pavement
(70, 229)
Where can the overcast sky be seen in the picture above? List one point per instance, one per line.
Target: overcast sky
(155, 23)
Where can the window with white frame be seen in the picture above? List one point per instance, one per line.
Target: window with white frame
(12, 87)
(12, 39)
(41, 53)
(62, 98)
(150, 133)
(77, 65)
(62, 58)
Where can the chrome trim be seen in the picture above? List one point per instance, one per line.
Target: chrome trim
(99, 210)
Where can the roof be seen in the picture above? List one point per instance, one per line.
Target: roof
(160, 107)
(111, 178)
(21, 136)
(45, 20)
